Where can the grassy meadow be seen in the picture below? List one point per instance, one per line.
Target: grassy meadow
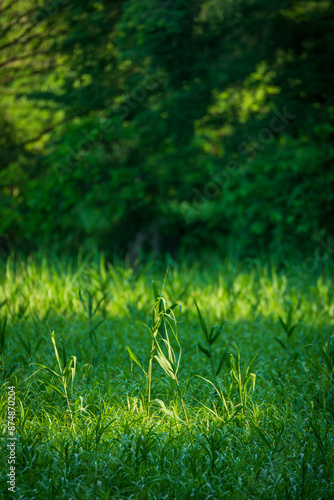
(214, 382)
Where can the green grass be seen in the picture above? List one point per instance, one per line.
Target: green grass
(87, 426)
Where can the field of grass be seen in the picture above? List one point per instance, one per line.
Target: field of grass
(123, 403)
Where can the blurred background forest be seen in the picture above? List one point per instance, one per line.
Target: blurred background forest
(166, 125)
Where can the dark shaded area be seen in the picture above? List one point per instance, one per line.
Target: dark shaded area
(153, 127)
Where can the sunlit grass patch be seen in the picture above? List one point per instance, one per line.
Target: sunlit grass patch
(246, 411)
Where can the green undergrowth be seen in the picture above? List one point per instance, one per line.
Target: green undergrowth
(203, 382)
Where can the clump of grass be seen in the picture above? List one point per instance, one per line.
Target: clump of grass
(210, 337)
(163, 321)
(89, 308)
(288, 325)
(65, 375)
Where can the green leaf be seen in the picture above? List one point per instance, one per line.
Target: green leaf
(97, 325)
(38, 344)
(70, 368)
(56, 351)
(222, 360)
(166, 366)
(290, 331)
(90, 304)
(221, 363)
(25, 344)
(135, 359)
(49, 370)
(212, 339)
(55, 389)
(281, 343)
(82, 302)
(98, 304)
(205, 351)
(262, 436)
(166, 411)
(251, 364)
(284, 326)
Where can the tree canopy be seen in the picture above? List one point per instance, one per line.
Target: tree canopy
(161, 125)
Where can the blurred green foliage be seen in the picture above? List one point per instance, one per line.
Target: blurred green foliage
(154, 125)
